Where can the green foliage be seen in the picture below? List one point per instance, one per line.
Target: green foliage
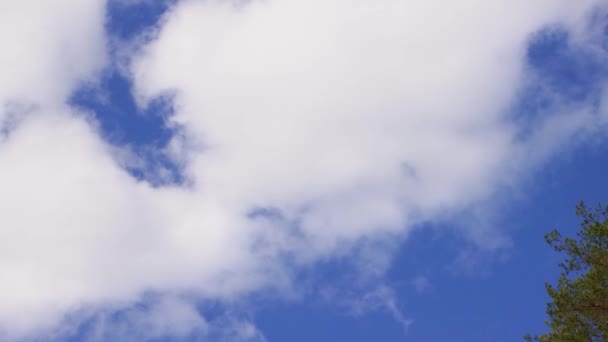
(579, 307)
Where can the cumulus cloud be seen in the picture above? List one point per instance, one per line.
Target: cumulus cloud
(350, 117)
(78, 230)
(309, 126)
(47, 47)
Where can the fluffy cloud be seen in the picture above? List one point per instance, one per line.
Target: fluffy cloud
(47, 47)
(350, 117)
(78, 231)
(315, 124)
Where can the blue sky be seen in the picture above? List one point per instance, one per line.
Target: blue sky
(279, 171)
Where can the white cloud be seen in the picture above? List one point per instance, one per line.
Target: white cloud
(354, 119)
(77, 230)
(166, 317)
(47, 47)
(350, 117)
(382, 298)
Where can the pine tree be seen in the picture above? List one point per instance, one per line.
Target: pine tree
(579, 307)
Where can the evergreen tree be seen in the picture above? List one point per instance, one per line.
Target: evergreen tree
(579, 307)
